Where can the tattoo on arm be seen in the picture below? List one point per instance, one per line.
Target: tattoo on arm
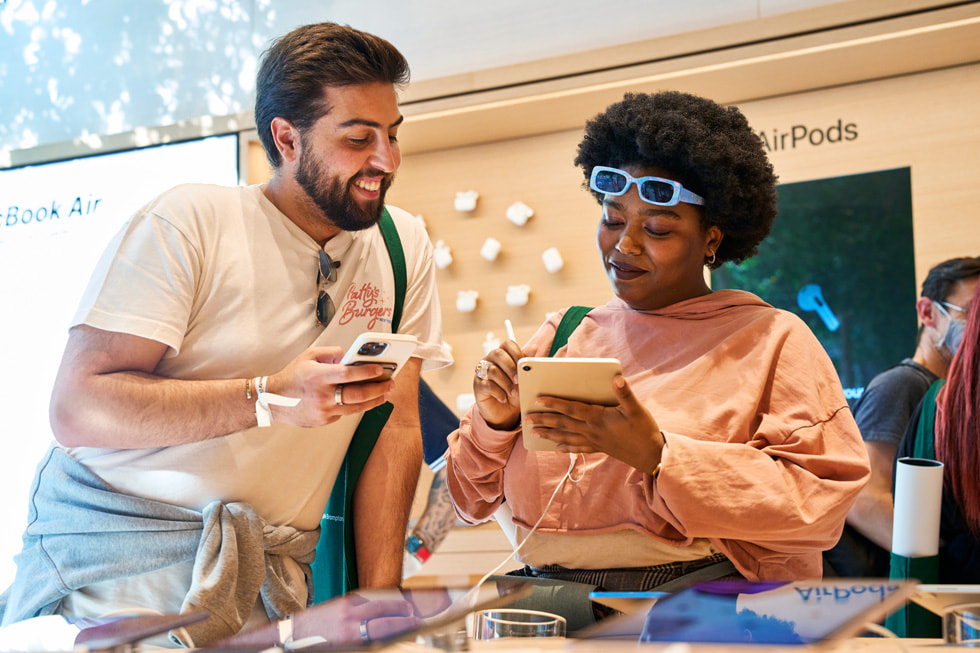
(439, 516)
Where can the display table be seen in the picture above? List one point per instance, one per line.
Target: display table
(531, 645)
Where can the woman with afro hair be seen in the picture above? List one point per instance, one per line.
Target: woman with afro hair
(732, 452)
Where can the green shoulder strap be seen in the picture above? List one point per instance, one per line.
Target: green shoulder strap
(335, 567)
(569, 321)
(924, 445)
(398, 268)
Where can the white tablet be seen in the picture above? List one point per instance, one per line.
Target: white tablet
(581, 379)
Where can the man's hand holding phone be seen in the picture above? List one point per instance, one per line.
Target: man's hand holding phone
(390, 350)
(331, 383)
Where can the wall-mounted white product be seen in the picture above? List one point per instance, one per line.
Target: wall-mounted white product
(464, 402)
(517, 295)
(519, 212)
(552, 260)
(465, 200)
(466, 301)
(491, 343)
(490, 249)
(441, 254)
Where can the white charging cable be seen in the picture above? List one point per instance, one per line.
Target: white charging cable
(568, 474)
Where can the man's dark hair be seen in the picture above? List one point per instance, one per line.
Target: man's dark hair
(942, 279)
(712, 149)
(298, 66)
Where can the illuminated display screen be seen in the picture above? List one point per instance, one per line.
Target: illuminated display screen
(841, 256)
(55, 221)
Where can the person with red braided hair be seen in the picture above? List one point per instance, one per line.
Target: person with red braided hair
(946, 427)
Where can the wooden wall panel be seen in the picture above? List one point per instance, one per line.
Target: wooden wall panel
(537, 171)
(928, 121)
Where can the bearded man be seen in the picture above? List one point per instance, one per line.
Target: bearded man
(200, 415)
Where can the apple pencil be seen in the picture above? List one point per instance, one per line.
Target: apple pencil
(510, 330)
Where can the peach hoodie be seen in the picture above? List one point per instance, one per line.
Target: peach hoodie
(763, 457)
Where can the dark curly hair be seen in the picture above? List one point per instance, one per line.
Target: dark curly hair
(296, 68)
(711, 149)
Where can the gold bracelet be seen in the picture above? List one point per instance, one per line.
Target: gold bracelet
(248, 388)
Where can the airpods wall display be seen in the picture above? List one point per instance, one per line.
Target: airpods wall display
(491, 248)
(466, 200)
(442, 255)
(466, 300)
(518, 213)
(518, 295)
(552, 260)
(490, 343)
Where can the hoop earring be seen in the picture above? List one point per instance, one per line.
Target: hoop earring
(711, 261)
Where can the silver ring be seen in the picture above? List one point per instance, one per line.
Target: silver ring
(338, 395)
(482, 368)
(364, 632)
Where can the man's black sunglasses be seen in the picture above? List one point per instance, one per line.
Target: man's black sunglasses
(327, 274)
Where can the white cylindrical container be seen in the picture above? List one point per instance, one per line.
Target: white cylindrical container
(918, 504)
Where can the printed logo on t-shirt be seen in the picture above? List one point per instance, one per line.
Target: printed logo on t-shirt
(365, 301)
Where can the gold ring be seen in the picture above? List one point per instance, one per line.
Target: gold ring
(338, 395)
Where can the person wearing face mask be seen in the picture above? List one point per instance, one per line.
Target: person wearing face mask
(955, 329)
(886, 406)
(946, 427)
(732, 451)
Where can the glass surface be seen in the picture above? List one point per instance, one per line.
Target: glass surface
(500, 624)
(732, 611)
(961, 624)
(371, 619)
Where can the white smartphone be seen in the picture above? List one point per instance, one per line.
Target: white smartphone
(389, 350)
(580, 379)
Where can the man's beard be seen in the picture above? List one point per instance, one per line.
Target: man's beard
(334, 198)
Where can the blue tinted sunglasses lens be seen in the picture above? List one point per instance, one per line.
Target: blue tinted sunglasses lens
(657, 191)
(610, 181)
(617, 182)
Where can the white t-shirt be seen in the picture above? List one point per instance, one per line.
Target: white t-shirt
(229, 284)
